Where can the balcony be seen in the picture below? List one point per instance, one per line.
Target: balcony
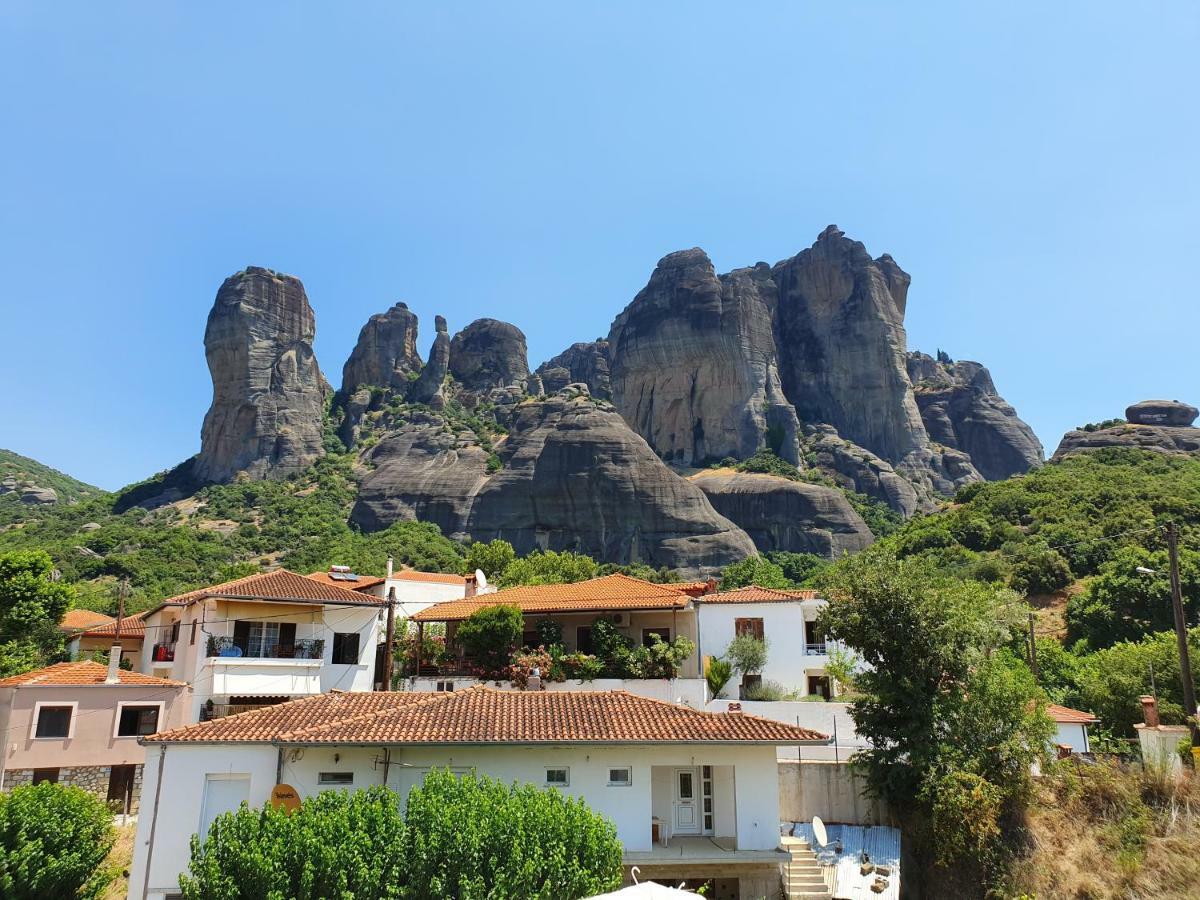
(163, 653)
(227, 648)
(821, 649)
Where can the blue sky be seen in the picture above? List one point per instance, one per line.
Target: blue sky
(1033, 166)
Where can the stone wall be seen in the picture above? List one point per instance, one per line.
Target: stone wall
(829, 790)
(93, 779)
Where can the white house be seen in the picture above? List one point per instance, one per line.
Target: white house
(689, 792)
(1071, 727)
(263, 639)
(412, 590)
(798, 653)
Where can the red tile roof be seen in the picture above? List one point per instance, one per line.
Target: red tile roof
(360, 582)
(82, 672)
(753, 594)
(82, 620)
(132, 627)
(484, 715)
(280, 585)
(609, 592)
(430, 577)
(1067, 716)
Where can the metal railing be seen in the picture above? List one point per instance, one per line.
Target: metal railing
(313, 648)
(164, 652)
(816, 649)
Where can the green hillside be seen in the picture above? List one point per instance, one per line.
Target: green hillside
(22, 468)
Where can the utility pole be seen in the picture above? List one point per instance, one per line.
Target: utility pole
(390, 640)
(1033, 644)
(1181, 634)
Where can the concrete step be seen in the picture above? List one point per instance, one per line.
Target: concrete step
(810, 895)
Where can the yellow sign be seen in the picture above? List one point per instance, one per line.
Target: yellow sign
(284, 796)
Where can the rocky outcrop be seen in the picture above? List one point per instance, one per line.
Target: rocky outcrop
(386, 353)
(1168, 413)
(694, 367)
(842, 345)
(582, 363)
(962, 410)
(489, 354)
(268, 393)
(28, 492)
(861, 471)
(780, 514)
(1146, 429)
(428, 386)
(574, 476)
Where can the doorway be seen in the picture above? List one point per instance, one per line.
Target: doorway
(819, 685)
(685, 804)
(222, 794)
(120, 787)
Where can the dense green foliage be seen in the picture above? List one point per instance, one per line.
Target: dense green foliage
(357, 844)
(754, 570)
(718, 673)
(31, 606)
(950, 715)
(747, 653)
(549, 567)
(490, 635)
(53, 843)
(23, 468)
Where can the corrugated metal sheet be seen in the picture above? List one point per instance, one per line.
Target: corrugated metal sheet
(882, 845)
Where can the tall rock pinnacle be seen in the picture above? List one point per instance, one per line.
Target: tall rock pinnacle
(268, 392)
(489, 354)
(386, 352)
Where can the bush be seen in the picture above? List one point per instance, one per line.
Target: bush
(756, 570)
(490, 635)
(747, 653)
(718, 673)
(473, 837)
(53, 843)
(338, 844)
(575, 666)
(1039, 570)
(771, 691)
(662, 659)
(549, 632)
(523, 665)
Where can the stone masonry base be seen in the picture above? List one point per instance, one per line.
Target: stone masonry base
(93, 779)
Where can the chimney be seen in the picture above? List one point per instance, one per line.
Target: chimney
(470, 586)
(391, 565)
(710, 586)
(1149, 711)
(114, 665)
(534, 682)
(734, 707)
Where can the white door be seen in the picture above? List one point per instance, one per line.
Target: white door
(685, 803)
(222, 794)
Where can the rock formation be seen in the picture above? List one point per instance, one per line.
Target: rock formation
(694, 368)
(489, 354)
(386, 352)
(1164, 426)
(780, 514)
(268, 393)
(962, 410)
(428, 386)
(574, 476)
(582, 363)
(862, 471)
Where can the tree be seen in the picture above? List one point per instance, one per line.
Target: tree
(473, 838)
(718, 673)
(1036, 569)
(491, 558)
(549, 567)
(747, 653)
(754, 570)
(797, 568)
(31, 606)
(490, 635)
(53, 842)
(338, 844)
(953, 721)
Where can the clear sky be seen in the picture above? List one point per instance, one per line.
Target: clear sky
(1034, 166)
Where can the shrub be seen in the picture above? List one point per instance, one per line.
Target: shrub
(490, 635)
(718, 673)
(338, 844)
(1038, 569)
(53, 842)
(576, 666)
(662, 659)
(523, 665)
(613, 649)
(770, 690)
(549, 632)
(747, 653)
(757, 570)
(473, 837)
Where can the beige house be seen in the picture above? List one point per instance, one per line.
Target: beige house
(88, 632)
(79, 723)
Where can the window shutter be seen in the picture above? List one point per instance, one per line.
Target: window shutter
(287, 634)
(241, 635)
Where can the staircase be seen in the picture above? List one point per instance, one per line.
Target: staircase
(803, 877)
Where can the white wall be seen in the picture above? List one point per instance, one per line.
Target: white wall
(1074, 735)
(414, 596)
(818, 716)
(755, 786)
(783, 628)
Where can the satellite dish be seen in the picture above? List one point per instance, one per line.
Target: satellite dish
(819, 834)
(480, 579)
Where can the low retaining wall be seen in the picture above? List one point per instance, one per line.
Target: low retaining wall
(689, 691)
(827, 718)
(93, 779)
(829, 790)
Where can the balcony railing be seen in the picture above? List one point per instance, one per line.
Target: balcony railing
(163, 653)
(303, 649)
(816, 650)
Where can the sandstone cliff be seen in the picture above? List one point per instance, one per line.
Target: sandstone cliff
(268, 393)
(386, 352)
(586, 362)
(489, 354)
(1164, 426)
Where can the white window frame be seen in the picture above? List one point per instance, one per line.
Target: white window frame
(628, 782)
(566, 770)
(37, 714)
(121, 704)
(321, 780)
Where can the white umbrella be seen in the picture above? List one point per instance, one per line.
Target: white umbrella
(646, 890)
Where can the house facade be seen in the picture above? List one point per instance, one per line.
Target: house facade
(264, 639)
(686, 790)
(92, 632)
(79, 722)
(1071, 728)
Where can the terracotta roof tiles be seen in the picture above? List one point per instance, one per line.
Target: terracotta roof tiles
(82, 620)
(1066, 716)
(132, 627)
(484, 715)
(360, 582)
(280, 585)
(429, 577)
(754, 594)
(609, 592)
(82, 672)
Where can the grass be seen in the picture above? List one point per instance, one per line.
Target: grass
(120, 858)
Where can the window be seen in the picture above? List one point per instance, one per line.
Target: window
(649, 634)
(752, 627)
(345, 648)
(622, 777)
(558, 777)
(265, 640)
(174, 631)
(338, 778)
(192, 639)
(133, 721)
(50, 775)
(583, 639)
(54, 721)
(530, 640)
(444, 686)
